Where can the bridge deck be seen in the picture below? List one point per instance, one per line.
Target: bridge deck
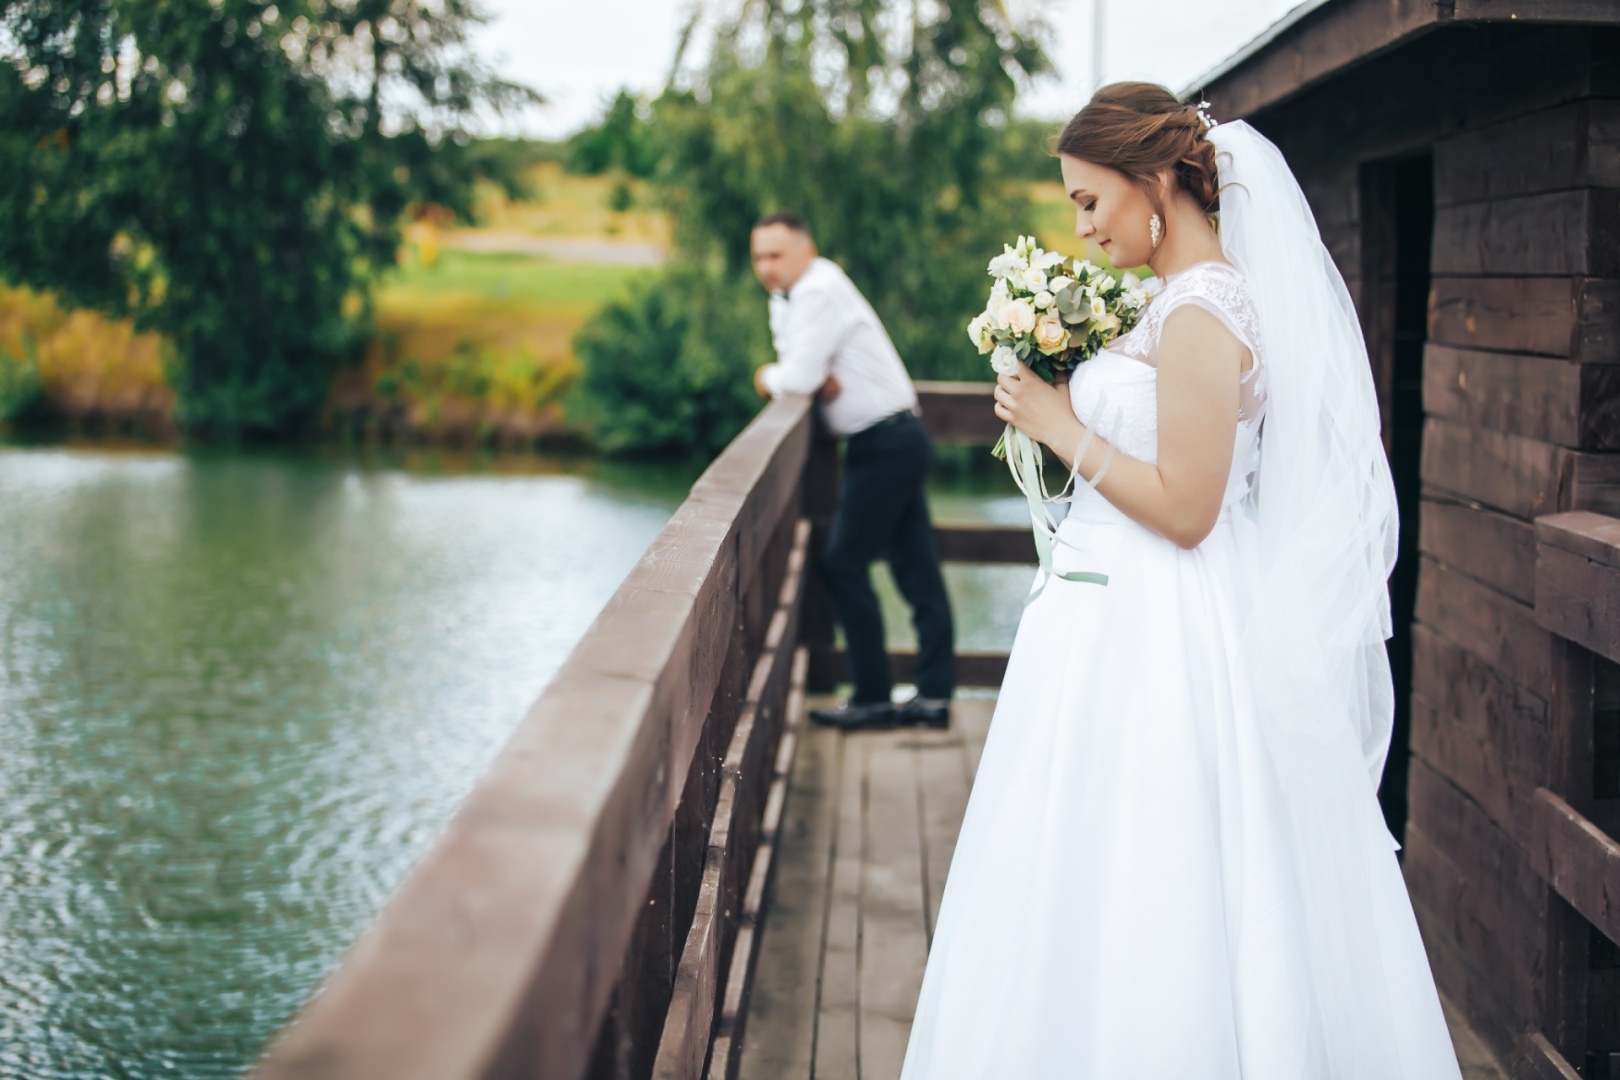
(866, 840)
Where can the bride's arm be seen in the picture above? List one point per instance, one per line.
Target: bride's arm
(1200, 365)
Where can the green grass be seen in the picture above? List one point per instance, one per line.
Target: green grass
(517, 279)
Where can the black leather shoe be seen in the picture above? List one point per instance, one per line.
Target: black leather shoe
(925, 712)
(877, 716)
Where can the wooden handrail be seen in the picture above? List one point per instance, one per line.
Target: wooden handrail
(500, 953)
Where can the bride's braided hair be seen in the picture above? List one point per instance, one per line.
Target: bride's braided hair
(1141, 129)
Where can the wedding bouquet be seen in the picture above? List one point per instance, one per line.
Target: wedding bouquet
(1051, 312)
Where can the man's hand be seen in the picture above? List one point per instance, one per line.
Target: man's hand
(830, 390)
(759, 381)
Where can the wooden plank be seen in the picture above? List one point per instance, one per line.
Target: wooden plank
(1508, 472)
(1475, 993)
(1468, 691)
(942, 792)
(779, 1041)
(729, 1033)
(1561, 234)
(960, 412)
(1543, 1062)
(1503, 785)
(1595, 12)
(839, 1005)
(986, 544)
(1526, 155)
(1536, 397)
(1319, 41)
(1579, 860)
(1496, 628)
(1495, 931)
(1493, 548)
(972, 668)
(1589, 535)
(1588, 482)
(894, 929)
(1577, 318)
(1579, 599)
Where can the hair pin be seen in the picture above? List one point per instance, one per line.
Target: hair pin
(1203, 114)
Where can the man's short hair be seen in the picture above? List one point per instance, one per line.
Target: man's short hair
(785, 217)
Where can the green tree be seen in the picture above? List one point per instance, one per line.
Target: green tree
(885, 124)
(231, 173)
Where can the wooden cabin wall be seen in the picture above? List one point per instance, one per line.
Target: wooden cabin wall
(1520, 402)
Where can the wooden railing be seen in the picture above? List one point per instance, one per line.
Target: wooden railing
(1573, 847)
(592, 909)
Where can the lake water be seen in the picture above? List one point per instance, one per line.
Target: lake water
(240, 695)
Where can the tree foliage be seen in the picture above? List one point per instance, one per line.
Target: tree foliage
(231, 173)
(883, 122)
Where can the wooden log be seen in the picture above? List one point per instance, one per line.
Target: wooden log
(1579, 860)
(960, 412)
(1536, 397)
(1562, 234)
(1494, 548)
(1526, 155)
(1597, 12)
(1578, 579)
(986, 543)
(1577, 318)
(1496, 628)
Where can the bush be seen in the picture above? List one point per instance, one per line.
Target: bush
(671, 369)
(19, 382)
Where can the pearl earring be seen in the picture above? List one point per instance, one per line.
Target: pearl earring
(1155, 229)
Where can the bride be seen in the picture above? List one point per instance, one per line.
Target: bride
(1173, 864)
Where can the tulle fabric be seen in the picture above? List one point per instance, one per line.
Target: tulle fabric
(1173, 862)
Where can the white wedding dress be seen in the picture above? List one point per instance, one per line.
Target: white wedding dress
(1153, 880)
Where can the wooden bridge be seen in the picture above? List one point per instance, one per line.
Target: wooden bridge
(600, 905)
(603, 904)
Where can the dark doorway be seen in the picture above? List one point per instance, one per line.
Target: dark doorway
(1399, 223)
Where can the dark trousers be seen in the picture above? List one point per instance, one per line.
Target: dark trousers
(883, 513)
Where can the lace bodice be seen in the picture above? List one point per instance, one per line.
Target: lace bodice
(1116, 392)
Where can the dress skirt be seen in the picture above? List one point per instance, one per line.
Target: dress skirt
(1122, 903)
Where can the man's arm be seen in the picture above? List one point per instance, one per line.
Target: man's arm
(805, 348)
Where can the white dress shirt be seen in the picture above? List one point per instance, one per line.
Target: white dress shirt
(824, 326)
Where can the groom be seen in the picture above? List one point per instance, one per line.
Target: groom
(830, 343)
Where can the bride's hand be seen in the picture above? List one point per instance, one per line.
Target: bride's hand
(1034, 406)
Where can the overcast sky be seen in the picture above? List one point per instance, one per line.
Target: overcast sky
(578, 52)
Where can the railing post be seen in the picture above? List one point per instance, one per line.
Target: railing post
(820, 500)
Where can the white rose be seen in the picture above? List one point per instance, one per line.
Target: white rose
(1044, 300)
(1033, 279)
(1019, 316)
(1008, 263)
(1131, 281)
(1046, 259)
(1050, 334)
(979, 332)
(1059, 283)
(1098, 308)
(1004, 361)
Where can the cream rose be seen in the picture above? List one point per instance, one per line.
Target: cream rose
(1019, 315)
(1050, 335)
(979, 332)
(1044, 300)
